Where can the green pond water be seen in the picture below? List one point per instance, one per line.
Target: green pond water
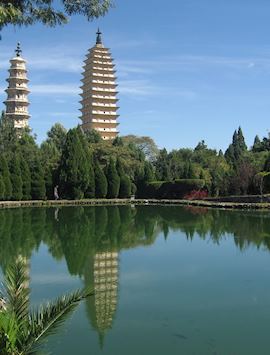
(168, 280)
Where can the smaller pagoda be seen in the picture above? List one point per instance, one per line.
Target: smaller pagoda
(17, 92)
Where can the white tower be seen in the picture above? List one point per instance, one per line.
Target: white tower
(99, 102)
(17, 92)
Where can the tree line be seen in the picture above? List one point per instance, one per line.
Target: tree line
(237, 171)
(82, 165)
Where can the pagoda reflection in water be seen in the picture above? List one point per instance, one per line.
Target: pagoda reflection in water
(103, 275)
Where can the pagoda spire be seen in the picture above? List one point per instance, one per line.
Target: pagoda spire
(99, 39)
(17, 92)
(18, 50)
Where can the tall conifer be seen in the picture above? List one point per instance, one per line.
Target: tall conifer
(101, 184)
(2, 188)
(26, 179)
(38, 190)
(15, 177)
(113, 180)
(4, 172)
(125, 183)
(74, 166)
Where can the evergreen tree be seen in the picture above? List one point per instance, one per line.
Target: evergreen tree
(4, 172)
(15, 177)
(101, 184)
(57, 136)
(236, 151)
(267, 164)
(26, 179)
(86, 166)
(125, 186)
(257, 145)
(241, 140)
(38, 189)
(74, 167)
(125, 183)
(113, 180)
(148, 172)
(90, 192)
(162, 166)
(2, 188)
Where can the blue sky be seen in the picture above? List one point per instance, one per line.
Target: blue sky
(187, 69)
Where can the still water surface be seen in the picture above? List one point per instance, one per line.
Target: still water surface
(168, 280)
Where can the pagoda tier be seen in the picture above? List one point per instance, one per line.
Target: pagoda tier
(99, 101)
(106, 285)
(17, 92)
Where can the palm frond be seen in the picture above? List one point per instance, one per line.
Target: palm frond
(47, 319)
(17, 290)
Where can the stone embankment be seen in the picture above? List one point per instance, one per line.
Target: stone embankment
(94, 202)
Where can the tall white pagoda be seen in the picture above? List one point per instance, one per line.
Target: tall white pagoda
(99, 101)
(17, 92)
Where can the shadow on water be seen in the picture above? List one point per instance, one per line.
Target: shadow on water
(89, 239)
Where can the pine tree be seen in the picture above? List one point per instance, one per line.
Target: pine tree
(15, 177)
(4, 172)
(26, 179)
(38, 190)
(101, 184)
(113, 180)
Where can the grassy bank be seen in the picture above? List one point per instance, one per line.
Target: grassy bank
(95, 202)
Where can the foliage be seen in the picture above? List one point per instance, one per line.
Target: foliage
(15, 177)
(73, 170)
(38, 189)
(144, 144)
(113, 180)
(101, 184)
(28, 12)
(171, 190)
(5, 176)
(196, 195)
(23, 330)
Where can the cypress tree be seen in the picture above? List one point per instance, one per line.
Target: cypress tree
(101, 184)
(38, 190)
(74, 166)
(257, 145)
(86, 169)
(241, 140)
(113, 180)
(148, 172)
(125, 183)
(15, 177)
(2, 188)
(4, 172)
(90, 192)
(26, 179)
(125, 186)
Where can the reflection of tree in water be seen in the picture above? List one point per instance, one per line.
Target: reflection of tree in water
(90, 239)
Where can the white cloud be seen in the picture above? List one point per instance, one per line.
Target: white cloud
(147, 88)
(55, 89)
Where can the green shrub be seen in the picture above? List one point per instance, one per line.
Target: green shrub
(170, 189)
